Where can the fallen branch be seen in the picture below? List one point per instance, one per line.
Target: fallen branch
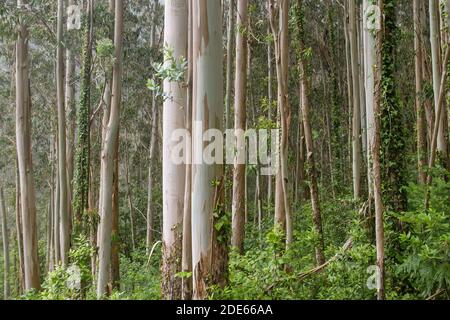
(437, 294)
(318, 269)
(345, 248)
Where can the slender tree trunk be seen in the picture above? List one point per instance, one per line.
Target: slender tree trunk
(229, 71)
(350, 90)
(420, 110)
(107, 163)
(283, 216)
(19, 234)
(186, 259)
(23, 141)
(71, 108)
(238, 214)
(62, 169)
(174, 118)
(437, 75)
(269, 107)
(376, 154)
(356, 123)
(5, 240)
(437, 125)
(129, 197)
(317, 217)
(152, 159)
(82, 157)
(369, 59)
(209, 245)
(115, 237)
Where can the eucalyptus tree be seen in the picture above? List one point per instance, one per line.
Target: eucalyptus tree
(24, 155)
(174, 118)
(209, 254)
(238, 214)
(108, 155)
(62, 169)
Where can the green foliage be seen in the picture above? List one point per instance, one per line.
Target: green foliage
(139, 280)
(173, 69)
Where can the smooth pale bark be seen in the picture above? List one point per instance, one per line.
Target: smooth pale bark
(420, 110)
(369, 62)
(436, 60)
(56, 225)
(376, 160)
(174, 118)
(23, 144)
(229, 71)
(283, 216)
(209, 254)
(186, 259)
(108, 155)
(240, 120)
(62, 169)
(356, 123)
(5, 240)
(317, 216)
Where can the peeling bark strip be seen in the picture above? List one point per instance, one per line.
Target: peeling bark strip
(208, 244)
(174, 118)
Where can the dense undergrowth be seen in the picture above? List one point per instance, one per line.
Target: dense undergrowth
(417, 258)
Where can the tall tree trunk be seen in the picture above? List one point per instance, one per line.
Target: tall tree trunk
(186, 259)
(420, 110)
(174, 118)
(209, 252)
(152, 159)
(238, 210)
(107, 159)
(317, 216)
(23, 143)
(283, 216)
(82, 167)
(437, 75)
(62, 169)
(5, 240)
(229, 71)
(269, 107)
(356, 123)
(376, 154)
(71, 117)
